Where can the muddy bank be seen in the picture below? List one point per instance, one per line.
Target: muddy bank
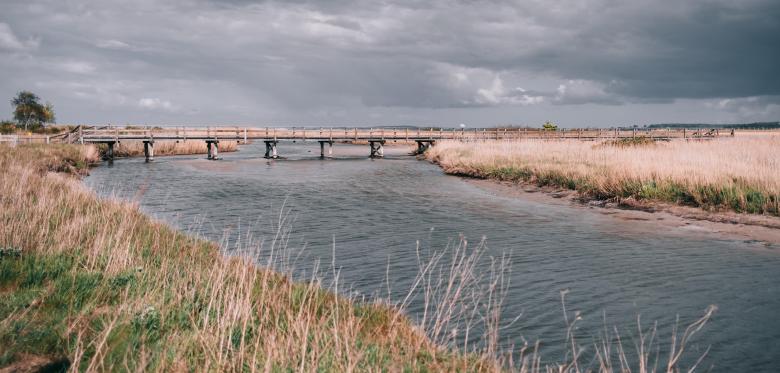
(761, 230)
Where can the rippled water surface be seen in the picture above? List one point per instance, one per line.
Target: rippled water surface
(375, 211)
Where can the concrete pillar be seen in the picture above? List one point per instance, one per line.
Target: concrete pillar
(149, 150)
(110, 151)
(377, 149)
(270, 150)
(213, 149)
(422, 146)
(322, 149)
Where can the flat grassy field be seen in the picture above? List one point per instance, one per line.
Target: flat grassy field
(739, 174)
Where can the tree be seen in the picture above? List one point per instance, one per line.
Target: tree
(549, 126)
(29, 112)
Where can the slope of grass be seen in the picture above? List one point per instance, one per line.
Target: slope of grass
(738, 174)
(102, 285)
(95, 285)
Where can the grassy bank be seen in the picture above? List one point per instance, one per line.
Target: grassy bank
(101, 286)
(164, 147)
(739, 174)
(95, 285)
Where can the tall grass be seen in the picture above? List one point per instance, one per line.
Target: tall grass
(165, 147)
(102, 286)
(739, 174)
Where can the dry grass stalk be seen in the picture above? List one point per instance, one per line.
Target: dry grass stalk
(165, 147)
(101, 284)
(727, 173)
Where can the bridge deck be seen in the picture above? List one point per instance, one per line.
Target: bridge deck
(364, 134)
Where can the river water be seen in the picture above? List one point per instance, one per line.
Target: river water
(373, 214)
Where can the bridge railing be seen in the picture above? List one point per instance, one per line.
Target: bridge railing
(358, 134)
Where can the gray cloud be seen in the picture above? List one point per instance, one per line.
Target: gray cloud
(248, 61)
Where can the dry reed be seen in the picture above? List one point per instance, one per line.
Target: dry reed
(103, 286)
(739, 174)
(164, 147)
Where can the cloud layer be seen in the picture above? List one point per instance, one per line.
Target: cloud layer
(370, 62)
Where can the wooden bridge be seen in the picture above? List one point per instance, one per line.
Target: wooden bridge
(326, 137)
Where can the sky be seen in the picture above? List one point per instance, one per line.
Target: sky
(576, 63)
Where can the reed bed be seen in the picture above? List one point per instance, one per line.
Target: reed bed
(94, 285)
(164, 147)
(739, 174)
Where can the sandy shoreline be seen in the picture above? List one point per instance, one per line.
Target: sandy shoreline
(757, 231)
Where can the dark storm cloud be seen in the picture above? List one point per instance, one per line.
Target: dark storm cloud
(274, 59)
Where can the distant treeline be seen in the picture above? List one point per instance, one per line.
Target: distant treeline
(756, 125)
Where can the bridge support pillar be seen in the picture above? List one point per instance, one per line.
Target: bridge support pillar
(377, 149)
(213, 149)
(322, 149)
(149, 150)
(270, 150)
(422, 146)
(110, 151)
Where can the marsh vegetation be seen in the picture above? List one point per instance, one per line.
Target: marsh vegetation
(96, 285)
(738, 174)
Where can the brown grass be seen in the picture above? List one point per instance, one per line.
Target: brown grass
(107, 288)
(163, 148)
(739, 173)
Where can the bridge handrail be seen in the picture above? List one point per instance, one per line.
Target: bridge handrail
(394, 133)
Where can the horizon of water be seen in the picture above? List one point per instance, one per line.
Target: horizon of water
(375, 214)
